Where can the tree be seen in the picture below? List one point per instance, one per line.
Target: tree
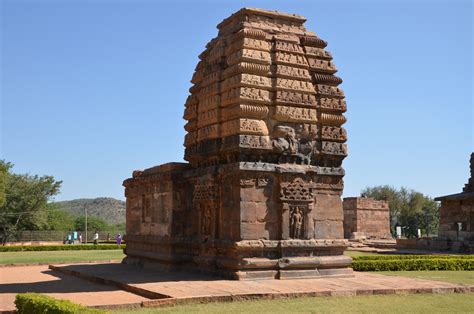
(93, 224)
(408, 208)
(25, 205)
(4, 171)
(58, 219)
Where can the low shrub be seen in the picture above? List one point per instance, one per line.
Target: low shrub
(35, 303)
(405, 264)
(64, 247)
(407, 256)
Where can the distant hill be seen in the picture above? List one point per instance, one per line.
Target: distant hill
(109, 209)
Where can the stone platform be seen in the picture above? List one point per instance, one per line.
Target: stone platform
(168, 288)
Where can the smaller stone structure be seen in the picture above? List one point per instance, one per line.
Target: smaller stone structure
(456, 223)
(456, 215)
(366, 218)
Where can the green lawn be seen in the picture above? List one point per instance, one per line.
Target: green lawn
(454, 276)
(417, 303)
(59, 256)
(357, 253)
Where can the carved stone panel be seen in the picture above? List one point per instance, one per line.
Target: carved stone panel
(244, 126)
(295, 114)
(296, 190)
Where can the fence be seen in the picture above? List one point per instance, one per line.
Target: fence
(46, 235)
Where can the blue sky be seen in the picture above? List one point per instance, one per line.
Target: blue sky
(91, 90)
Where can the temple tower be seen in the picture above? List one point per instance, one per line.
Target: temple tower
(260, 196)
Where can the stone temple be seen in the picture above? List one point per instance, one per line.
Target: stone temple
(260, 194)
(456, 223)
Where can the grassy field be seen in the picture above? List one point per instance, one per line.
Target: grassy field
(454, 276)
(357, 253)
(59, 256)
(421, 303)
(79, 256)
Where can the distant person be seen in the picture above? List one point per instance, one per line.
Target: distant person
(69, 238)
(119, 239)
(96, 238)
(80, 238)
(108, 236)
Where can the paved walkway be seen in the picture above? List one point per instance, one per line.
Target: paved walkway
(115, 284)
(19, 279)
(172, 288)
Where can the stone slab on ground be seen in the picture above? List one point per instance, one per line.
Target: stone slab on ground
(180, 287)
(40, 279)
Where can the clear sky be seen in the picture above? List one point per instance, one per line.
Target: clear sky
(92, 90)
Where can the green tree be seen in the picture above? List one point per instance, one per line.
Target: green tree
(58, 219)
(410, 209)
(4, 172)
(25, 205)
(93, 224)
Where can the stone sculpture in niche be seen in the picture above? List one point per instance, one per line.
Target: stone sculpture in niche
(264, 150)
(296, 224)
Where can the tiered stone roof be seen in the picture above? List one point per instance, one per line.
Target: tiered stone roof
(265, 90)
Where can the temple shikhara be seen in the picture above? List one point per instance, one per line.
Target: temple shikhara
(260, 193)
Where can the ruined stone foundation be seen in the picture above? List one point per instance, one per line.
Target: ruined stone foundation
(260, 194)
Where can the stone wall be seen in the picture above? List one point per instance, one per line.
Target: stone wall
(366, 217)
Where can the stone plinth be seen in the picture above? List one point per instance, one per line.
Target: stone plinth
(366, 218)
(260, 194)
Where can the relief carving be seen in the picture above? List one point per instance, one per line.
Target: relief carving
(325, 90)
(294, 85)
(208, 117)
(246, 94)
(292, 72)
(317, 52)
(209, 103)
(292, 98)
(296, 190)
(205, 192)
(216, 54)
(248, 55)
(209, 90)
(333, 133)
(290, 59)
(332, 104)
(245, 126)
(322, 65)
(206, 219)
(247, 182)
(255, 141)
(333, 148)
(296, 222)
(294, 146)
(208, 132)
(294, 114)
(248, 80)
(249, 43)
(211, 78)
(288, 47)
